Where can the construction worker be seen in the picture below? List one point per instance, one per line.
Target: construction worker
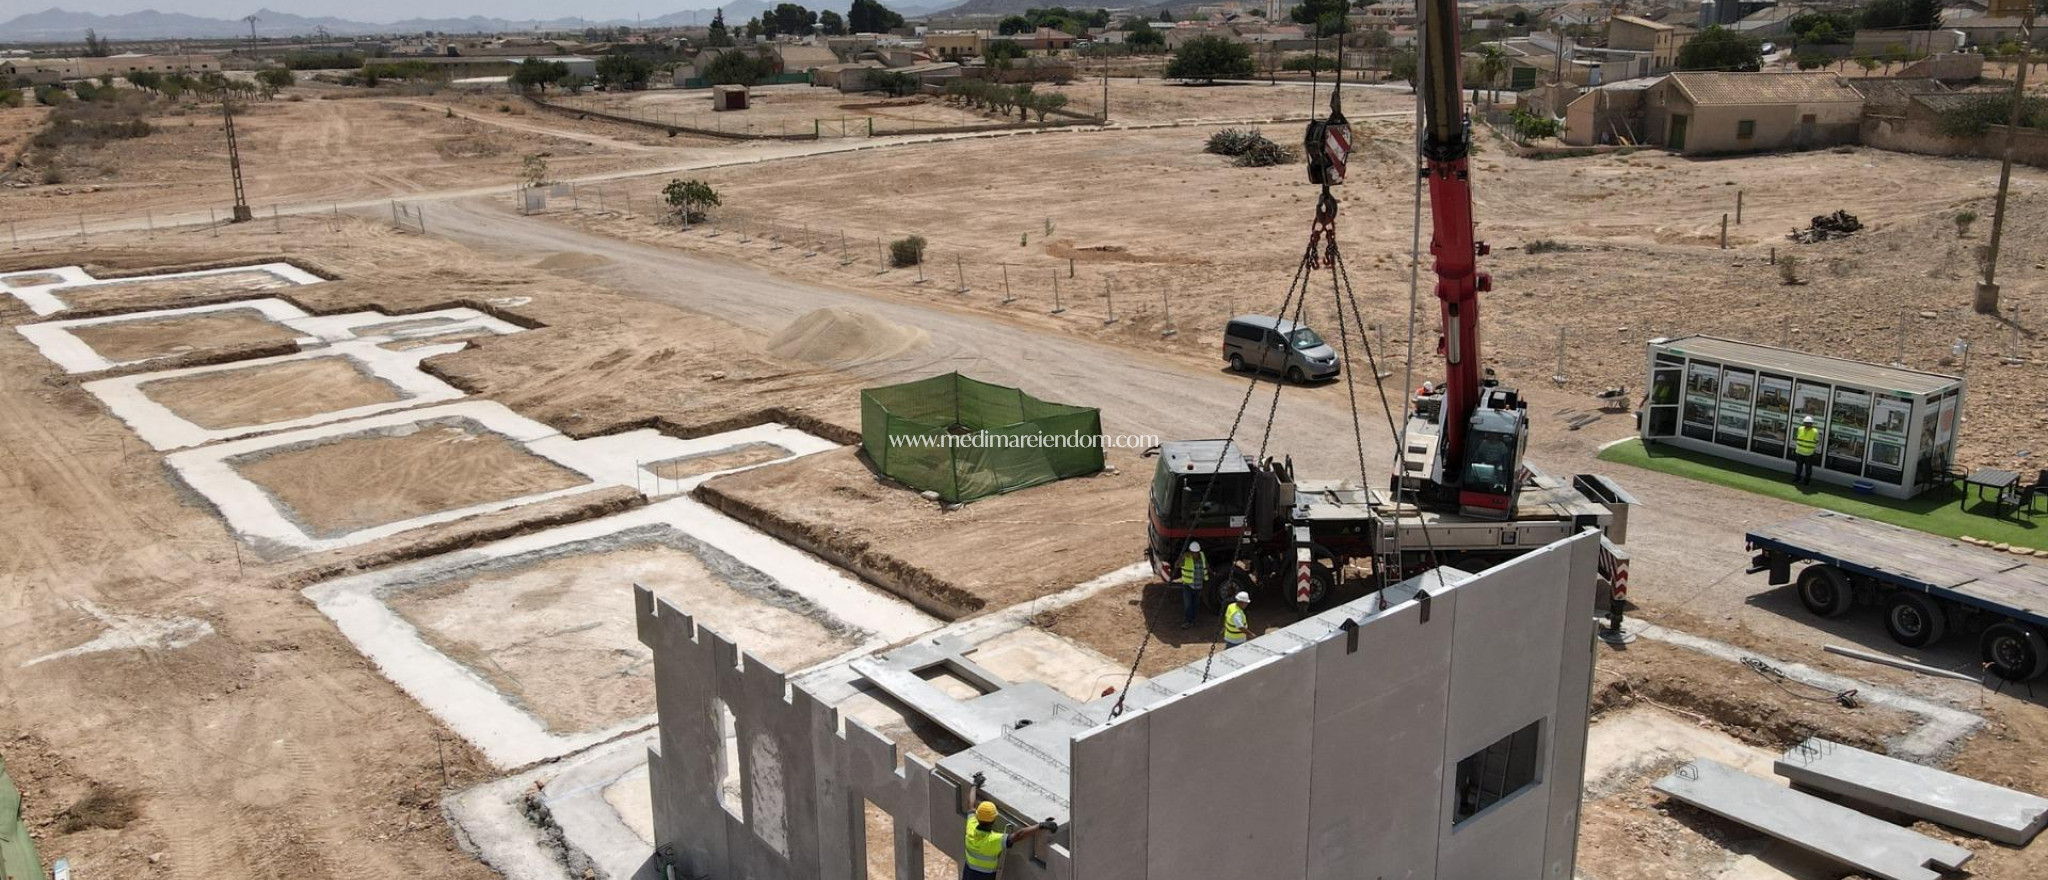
(1194, 575)
(1805, 448)
(1234, 631)
(985, 844)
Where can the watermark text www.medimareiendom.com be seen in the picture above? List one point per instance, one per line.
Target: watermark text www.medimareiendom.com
(983, 440)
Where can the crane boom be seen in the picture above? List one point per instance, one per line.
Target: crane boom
(1470, 404)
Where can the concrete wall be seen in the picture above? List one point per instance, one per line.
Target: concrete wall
(1361, 747)
(803, 773)
(1906, 135)
(1714, 128)
(1325, 759)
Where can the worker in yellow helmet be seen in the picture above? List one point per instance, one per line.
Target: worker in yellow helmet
(1805, 448)
(985, 844)
(1234, 631)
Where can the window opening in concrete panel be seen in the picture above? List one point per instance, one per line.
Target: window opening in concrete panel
(1497, 772)
(951, 683)
(727, 758)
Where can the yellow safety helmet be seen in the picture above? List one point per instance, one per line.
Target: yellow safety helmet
(986, 812)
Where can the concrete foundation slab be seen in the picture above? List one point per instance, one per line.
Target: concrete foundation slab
(584, 827)
(1980, 808)
(776, 582)
(70, 343)
(1872, 846)
(45, 296)
(133, 399)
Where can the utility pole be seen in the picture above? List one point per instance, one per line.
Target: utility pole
(1986, 301)
(227, 115)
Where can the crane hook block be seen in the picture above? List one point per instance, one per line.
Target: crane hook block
(1328, 148)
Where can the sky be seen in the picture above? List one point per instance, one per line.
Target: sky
(371, 10)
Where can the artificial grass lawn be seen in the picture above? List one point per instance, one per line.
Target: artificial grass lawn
(1950, 513)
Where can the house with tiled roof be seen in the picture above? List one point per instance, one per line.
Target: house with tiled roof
(1695, 112)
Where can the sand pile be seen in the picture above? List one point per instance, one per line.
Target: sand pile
(843, 335)
(570, 261)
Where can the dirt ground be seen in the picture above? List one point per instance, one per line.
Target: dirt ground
(312, 151)
(832, 504)
(558, 635)
(359, 481)
(90, 297)
(151, 338)
(276, 393)
(787, 109)
(1628, 242)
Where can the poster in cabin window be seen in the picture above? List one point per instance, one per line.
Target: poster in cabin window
(1927, 420)
(1702, 386)
(1810, 400)
(1737, 386)
(1848, 426)
(1773, 403)
(1890, 418)
(1946, 429)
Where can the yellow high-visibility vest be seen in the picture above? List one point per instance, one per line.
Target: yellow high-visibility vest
(1806, 439)
(1190, 567)
(984, 848)
(1233, 625)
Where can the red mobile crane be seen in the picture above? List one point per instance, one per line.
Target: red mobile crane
(1463, 495)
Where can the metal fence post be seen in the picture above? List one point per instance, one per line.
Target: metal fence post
(960, 268)
(809, 250)
(1166, 304)
(845, 256)
(1108, 301)
(1007, 298)
(1057, 306)
(213, 222)
(880, 257)
(277, 225)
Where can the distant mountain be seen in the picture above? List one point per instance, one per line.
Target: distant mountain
(58, 25)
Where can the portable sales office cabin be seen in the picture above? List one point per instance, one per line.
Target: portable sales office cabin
(1890, 426)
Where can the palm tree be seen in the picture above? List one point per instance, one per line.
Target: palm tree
(1492, 63)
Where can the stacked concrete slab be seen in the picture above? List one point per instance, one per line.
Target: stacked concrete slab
(1328, 749)
(1980, 808)
(1872, 846)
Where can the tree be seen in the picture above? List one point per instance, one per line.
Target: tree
(1165, 15)
(534, 169)
(148, 81)
(871, 17)
(1718, 48)
(1047, 102)
(738, 67)
(1208, 58)
(1810, 59)
(793, 19)
(893, 82)
(574, 84)
(830, 24)
(272, 80)
(1493, 62)
(96, 47)
(719, 37)
(999, 53)
(1326, 15)
(1402, 65)
(1923, 15)
(1015, 24)
(1867, 63)
(754, 29)
(534, 73)
(1142, 37)
(687, 199)
(616, 71)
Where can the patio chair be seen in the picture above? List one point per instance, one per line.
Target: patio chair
(2028, 493)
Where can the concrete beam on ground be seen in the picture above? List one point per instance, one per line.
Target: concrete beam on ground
(1959, 802)
(1871, 846)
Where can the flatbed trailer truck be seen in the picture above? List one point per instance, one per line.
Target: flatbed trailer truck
(1927, 586)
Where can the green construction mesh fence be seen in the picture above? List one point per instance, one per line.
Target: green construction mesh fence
(966, 439)
(17, 850)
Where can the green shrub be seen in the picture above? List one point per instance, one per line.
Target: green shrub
(1544, 246)
(1310, 62)
(1975, 115)
(1963, 221)
(10, 97)
(906, 251)
(1232, 141)
(1264, 153)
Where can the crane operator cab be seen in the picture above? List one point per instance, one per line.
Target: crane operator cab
(1495, 439)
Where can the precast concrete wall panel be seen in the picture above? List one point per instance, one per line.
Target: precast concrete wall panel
(683, 769)
(1505, 674)
(1111, 768)
(1229, 779)
(1379, 732)
(1567, 772)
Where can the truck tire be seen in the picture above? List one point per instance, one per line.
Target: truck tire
(1220, 592)
(2014, 652)
(1824, 590)
(1915, 620)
